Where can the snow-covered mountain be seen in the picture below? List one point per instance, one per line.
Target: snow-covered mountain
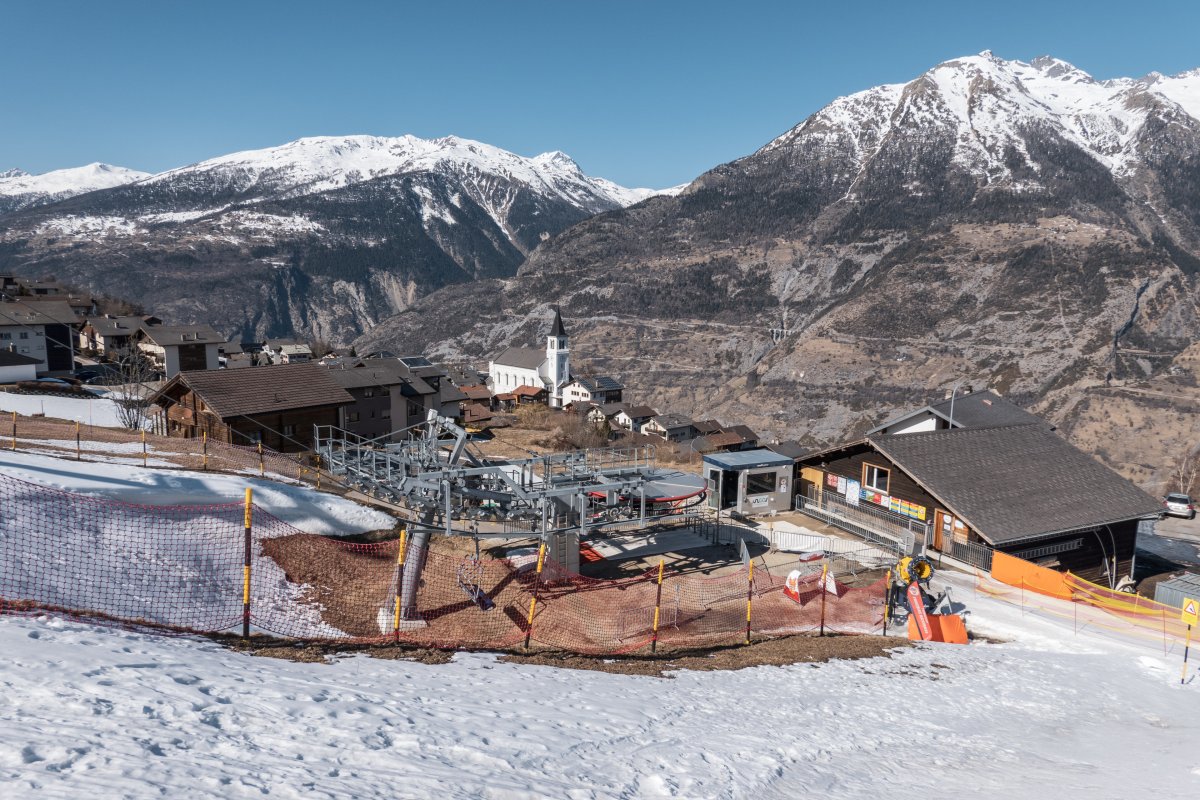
(1020, 224)
(375, 221)
(19, 189)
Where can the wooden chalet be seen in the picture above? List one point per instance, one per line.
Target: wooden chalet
(1007, 484)
(277, 405)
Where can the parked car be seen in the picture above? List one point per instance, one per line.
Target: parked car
(1179, 505)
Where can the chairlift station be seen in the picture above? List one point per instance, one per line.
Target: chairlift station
(560, 498)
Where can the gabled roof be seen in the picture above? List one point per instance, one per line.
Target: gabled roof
(380, 374)
(164, 335)
(639, 412)
(50, 312)
(1015, 483)
(610, 410)
(10, 359)
(258, 390)
(707, 426)
(521, 358)
(116, 326)
(529, 391)
(476, 392)
(976, 410)
(791, 449)
(669, 421)
(724, 439)
(599, 383)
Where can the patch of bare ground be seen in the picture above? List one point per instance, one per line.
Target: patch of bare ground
(775, 652)
(761, 652)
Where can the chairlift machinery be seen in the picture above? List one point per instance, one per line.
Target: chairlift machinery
(429, 470)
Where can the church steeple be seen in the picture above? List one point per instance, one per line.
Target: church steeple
(556, 328)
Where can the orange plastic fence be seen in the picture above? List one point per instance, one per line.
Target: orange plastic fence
(1018, 572)
(179, 568)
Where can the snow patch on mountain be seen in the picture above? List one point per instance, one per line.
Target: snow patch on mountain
(91, 226)
(63, 183)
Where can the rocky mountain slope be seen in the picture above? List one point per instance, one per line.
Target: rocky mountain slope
(1020, 225)
(320, 237)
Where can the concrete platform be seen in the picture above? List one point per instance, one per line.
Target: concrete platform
(625, 547)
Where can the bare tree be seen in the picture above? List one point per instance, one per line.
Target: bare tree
(1185, 472)
(133, 374)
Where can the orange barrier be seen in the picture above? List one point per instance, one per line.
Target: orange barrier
(948, 628)
(1019, 572)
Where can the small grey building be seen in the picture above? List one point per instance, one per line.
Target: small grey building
(749, 481)
(1174, 591)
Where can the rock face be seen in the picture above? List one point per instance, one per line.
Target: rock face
(1017, 224)
(319, 237)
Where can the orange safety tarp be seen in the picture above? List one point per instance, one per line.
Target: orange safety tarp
(947, 628)
(1018, 572)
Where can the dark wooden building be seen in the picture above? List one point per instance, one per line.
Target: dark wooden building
(277, 405)
(1021, 489)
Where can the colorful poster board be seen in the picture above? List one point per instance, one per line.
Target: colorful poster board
(853, 492)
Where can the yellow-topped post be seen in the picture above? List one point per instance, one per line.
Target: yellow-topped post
(205, 450)
(399, 579)
(749, 596)
(246, 566)
(657, 604)
(533, 600)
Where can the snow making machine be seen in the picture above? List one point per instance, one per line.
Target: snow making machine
(909, 590)
(430, 471)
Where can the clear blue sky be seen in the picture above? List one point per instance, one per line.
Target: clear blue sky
(645, 93)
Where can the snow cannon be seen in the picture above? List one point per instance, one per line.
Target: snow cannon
(910, 591)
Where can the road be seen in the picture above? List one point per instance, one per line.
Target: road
(1175, 543)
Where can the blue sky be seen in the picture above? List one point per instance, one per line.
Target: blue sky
(645, 93)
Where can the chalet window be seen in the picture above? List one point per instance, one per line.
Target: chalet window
(24, 334)
(386, 413)
(5, 336)
(369, 393)
(352, 416)
(762, 483)
(289, 430)
(876, 478)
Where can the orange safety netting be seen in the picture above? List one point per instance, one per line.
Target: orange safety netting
(180, 568)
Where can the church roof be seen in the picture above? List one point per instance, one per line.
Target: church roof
(521, 357)
(556, 327)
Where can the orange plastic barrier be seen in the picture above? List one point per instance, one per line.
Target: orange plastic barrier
(948, 628)
(1018, 572)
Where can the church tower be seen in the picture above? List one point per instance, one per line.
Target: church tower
(558, 360)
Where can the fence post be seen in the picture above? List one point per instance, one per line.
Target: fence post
(887, 599)
(77, 455)
(657, 605)
(824, 572)
(206, 451)
(318, 472)
(399, 574)
(14, 439)
(261, 469)
(749, 597)
(533, 600)
(246, 567)
(143, 447)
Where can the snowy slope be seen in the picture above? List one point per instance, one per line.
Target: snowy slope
(118, 714)
(987, 105)
(20, 189)
(317, 164)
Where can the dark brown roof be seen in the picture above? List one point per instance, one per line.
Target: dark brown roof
(258, 390)
(743, 431)
(529, 391)
(1015, 483)
(724, 439)
(50, 312)
(378, 373)
(707, 426)
(640, 412)
(10, 359)
(476, 392)
(164, 335)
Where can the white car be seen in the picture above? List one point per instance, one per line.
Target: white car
(1179, 505)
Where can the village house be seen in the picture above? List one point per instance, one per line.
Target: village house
(605, 414)
(15, 367)
(180, 348)
(632, 418)
(387, 397)
(287, 351)
(598, 389)
(671, 427)
(993, 477)
(43, 331)
(275, 405)
(113, 338)
(726, 439)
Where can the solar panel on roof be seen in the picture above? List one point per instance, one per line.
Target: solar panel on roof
(415, 361)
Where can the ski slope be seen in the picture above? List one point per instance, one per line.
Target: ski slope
(1048, 712)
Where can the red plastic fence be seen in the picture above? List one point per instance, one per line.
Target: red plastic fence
(180, 568)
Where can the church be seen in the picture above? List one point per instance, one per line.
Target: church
(548, 369)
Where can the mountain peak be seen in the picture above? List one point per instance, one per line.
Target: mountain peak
(13, 173)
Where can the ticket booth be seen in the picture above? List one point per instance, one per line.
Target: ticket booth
(749, 481)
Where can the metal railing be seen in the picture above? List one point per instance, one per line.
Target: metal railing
(893, 533)
(977, 554)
